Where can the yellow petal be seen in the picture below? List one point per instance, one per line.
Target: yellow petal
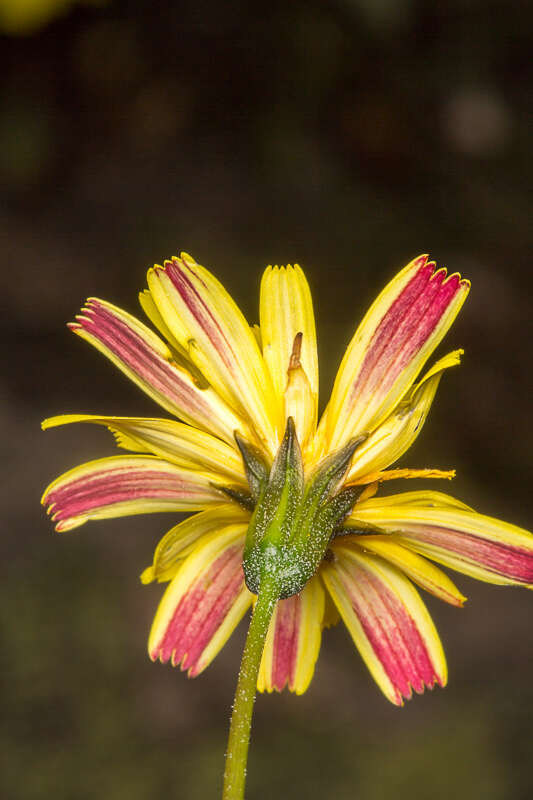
(396, 434)
(207, 323)
(150, 309)
(173, 441)
(300, 401)
(405, 473)
(390, 346)
(424, 499)
(256, 330)
(203, 604)
(180, 540)
(125, 485)
(293, 641)
(331, 615)
(286, 310)
(387, 621)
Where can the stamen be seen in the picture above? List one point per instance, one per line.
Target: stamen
(294, 361)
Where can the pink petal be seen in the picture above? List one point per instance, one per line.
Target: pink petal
(509, 562)
(446, 531)
(124, 485)
(389, 348)
(206, 600)
(285, 645)
(388, 622)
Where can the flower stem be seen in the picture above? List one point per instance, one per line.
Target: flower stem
(241, 717)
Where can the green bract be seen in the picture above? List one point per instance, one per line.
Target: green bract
(294, 519)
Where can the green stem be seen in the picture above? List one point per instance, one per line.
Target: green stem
(241, 717)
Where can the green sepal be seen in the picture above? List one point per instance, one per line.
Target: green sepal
(287, 468)
(357, 528)
(292, 523)
(238, 495)
(332, 513)
(322, 529)
(273, 519)
(284, 490)
(322, 485)
(332, 469)
(255, 466)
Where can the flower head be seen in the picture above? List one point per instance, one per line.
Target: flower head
(276, 489)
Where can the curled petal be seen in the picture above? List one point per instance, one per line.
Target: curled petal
(300, 402)
(483, 547)
(147, 361)
(293, 641)
(396, 434)
(388, 622)
(150, 309)
(181, 540)
(286, 311)
(397, 335)
(125, 485)
(173, 441)
(203, 604)
(426, 498)
(406, 473)
(207, 323)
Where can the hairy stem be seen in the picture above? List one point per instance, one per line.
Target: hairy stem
(241, 717)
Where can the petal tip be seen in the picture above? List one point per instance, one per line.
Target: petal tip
(421, 260)
(147, 575)
(69, 524)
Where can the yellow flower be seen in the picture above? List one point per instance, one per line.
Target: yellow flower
(244, 397)
(22, 17)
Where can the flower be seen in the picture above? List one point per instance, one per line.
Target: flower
(24, 17)
(249, 452)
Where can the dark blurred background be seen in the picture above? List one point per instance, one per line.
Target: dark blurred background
(348, 136)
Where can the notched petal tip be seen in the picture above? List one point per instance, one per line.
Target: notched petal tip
(429, 685)
(439, 273)
(70, 524)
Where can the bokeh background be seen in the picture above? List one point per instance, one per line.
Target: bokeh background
(349, 136)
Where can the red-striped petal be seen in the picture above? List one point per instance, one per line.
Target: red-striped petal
(207, 323)
(293, 641)
(391, 345)
(388, 622)
(147, 360)
(202, 605)
(483, 547)
(124, 485)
